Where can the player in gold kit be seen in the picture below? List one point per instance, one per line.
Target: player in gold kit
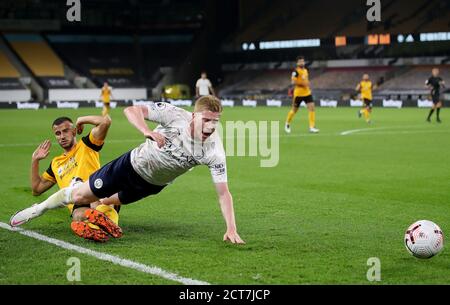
(302, 93)
(79, 160)
(106, 96)
(365, 88)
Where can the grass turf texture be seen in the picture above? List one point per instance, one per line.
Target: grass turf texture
(331, 203)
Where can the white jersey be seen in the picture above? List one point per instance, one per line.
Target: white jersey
(160, 166)
(203, 85)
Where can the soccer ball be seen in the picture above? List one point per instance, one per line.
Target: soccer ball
(424, 239)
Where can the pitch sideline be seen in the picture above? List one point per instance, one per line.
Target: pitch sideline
(107, 257)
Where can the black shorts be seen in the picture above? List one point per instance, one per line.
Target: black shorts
(436, 98)
(299, 99)
(118, 176)
(367, 102)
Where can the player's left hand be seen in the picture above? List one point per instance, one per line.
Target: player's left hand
(233, 237)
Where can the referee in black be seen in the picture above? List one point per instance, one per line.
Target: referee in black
(435, 83)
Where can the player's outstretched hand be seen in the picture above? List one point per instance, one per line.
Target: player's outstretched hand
(42, 150)
(233, 237)
(157, 137)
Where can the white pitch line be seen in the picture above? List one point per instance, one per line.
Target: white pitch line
(107, 257)
(347, 132)
(351, 131)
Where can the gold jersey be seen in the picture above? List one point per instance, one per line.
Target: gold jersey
(81, 161)
(366, 89)
(300, 78)
(106, 94)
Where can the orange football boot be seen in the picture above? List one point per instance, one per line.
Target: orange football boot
(98, 218)
(82, 229)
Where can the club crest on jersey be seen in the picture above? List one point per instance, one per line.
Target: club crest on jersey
(160, 105)
(98, 183)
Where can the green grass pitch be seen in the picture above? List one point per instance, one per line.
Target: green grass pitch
(330, 204)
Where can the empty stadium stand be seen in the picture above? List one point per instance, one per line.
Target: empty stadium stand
(40, 59)
(7, 70)
(346, 78)
(122, 61)
(11, 89)
(38, 56)
(415, 78)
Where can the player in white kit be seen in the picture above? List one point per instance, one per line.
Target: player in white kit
(181, 141)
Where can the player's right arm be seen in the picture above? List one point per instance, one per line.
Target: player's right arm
(226, 205)
(358, 87)
(101, 123)
(39, 184)
(136, 115)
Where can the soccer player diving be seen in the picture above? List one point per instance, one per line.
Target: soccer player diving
(181, 141)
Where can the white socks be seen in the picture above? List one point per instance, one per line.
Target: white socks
(57, 200)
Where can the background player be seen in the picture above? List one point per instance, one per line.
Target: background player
(106, 96)
(181, 141)
(203, 86)
(365, 88)
(434, 83)
(78, 161)
(302, 92)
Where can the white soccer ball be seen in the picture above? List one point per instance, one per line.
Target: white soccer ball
(424, 239)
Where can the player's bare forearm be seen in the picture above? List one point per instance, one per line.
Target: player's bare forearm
(38, 184)
(35, 178)
(91, 119)
(136, 117)
(101, 123)
(226, 206)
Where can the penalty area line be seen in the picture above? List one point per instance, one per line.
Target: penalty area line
(106, 257)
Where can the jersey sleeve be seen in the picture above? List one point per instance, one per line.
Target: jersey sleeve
(197, 84)
(49, 175)
(218, 171)
(92, 142)
(164, 113)
(427, 82)
(294, 75)
(218, 165)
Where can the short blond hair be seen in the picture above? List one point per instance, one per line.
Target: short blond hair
(208, 102)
